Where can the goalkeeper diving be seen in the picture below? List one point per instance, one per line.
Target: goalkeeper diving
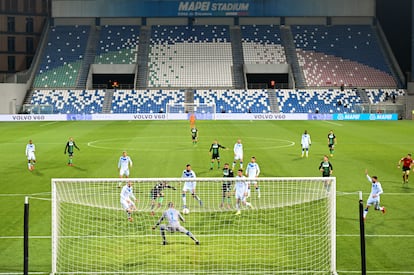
(173, 217)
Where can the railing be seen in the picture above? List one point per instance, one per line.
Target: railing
(37, 109)
(382, 108)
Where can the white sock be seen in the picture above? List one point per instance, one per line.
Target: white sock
(184, 200)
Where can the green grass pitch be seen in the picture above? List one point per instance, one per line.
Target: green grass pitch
(162, 148)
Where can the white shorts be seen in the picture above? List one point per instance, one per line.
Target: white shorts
(373, 201)
(252, 180)
(124, 172)
(127, 204)
(31, 156)
(238, 156)
(189, 186)
(240, 195)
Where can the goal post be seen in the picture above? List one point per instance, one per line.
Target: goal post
(206, 111)
(290, 229)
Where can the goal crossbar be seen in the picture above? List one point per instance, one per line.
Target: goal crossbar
(206, 111)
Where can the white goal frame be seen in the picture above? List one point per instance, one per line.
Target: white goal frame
(206, 111)
(323, 190)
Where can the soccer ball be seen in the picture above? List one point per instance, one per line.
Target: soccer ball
(186, 211)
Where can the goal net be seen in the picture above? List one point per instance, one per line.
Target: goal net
(290, 229)
(201, 110)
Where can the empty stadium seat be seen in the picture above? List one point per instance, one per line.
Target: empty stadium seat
(117, 45)
(62, 58)
(341, 54)
(70, 101)
(383, 95)
(145, 101)
(190, 56)
(262, 44)
(323, 101)
(235, 101)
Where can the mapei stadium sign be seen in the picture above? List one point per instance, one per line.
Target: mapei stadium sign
(210, 8)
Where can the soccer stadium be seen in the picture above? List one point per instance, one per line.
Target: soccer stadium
(206, 137)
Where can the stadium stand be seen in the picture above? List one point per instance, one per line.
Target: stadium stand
(322, 101)
(262, 44)
(62, 58)
(145, 101)
(200, 56)
(383, 95)
(341, 54)
(117, 45)
(226, 101)
(235, 101)
(70, 101)
(190, 56)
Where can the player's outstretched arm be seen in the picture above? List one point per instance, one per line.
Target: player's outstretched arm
(368, 177)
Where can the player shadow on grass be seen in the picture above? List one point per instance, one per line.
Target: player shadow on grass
(172, 243)
(79, 168)
(208, 173)
(37, 173)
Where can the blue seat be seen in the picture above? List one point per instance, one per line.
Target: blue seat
(62, 57)
(145, 101)
(323, 101)
(117, 44)
(70, 101)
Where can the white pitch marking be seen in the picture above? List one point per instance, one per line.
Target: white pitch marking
(334, 123)
(53, 122)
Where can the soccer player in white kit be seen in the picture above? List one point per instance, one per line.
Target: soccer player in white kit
(128, 200)
(252, 172)
(238, 153)
(30, 154)
(189, 185)
(240, 191)
(173, 217)
(124, 164)
(374, 196)
(306, 143)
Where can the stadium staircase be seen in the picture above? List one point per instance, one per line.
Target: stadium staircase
(88, 58)
(36, 62)
(291, 57)
(28, 97)
(273, 102)
(141, 74)
(189, 96)
(107, 104)
(237, 54)
(363, 96)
